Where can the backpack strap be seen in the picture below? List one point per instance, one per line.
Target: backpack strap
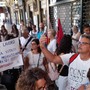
(72, 58)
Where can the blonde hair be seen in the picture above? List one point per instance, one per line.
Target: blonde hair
(53, 32)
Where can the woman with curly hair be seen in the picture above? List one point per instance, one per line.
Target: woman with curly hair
(33, 79)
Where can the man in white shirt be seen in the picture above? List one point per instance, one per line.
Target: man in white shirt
(78, 68)
(24, 40)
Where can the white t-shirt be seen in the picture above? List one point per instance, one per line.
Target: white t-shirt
(74, 42)
(33, 60)
(52, 46)
(52, 69)
(77, 71)
(23, 41)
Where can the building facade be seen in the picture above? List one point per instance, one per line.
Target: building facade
(70, 12)
(36, 11)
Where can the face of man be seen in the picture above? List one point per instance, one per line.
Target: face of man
(25, 34)
(41, 84)
(41, 25)
(84, 45)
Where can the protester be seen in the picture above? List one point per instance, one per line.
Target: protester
(34, 31)
(33, 79)
(35, 57)
(65, 46)
(25, 42)
(41, 30)
(78, 68)
(14, 31)
(86, 86)
(4, 33)
(22, 28)
(9, 76)
(86, 29)
(52, 70)
(75, 37)
(29, 26)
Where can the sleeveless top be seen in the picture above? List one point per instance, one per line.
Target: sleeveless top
(36, 60)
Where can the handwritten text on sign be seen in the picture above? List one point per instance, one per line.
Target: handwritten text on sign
(10, 54)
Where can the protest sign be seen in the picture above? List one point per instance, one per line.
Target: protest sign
(10, 54)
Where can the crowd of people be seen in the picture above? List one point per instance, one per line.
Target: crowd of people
(48, 66)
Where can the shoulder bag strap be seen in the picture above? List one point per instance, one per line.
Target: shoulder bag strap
(52, 67)
(61, 69)
(27, 43)
(38, 60)
(72, 58)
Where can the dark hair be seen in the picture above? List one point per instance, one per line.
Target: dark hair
(15, 28)
(65, 45)
(34, 25)
(88, 74)
(5, 32)
(9, 36)
(86, 26)
(28, 78)
(22, 20)
(3, 27)
(37, 42)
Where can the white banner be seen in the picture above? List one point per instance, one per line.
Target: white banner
(10, 54)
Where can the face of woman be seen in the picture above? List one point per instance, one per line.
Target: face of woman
(34, 45)
(4, 32)
(75, 30)
(41, 84)
(49, 34)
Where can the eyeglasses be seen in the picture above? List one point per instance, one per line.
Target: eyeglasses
(83, 43)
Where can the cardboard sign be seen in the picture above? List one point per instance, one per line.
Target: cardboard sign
(10, 54)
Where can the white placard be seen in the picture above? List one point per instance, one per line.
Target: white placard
(10, 54)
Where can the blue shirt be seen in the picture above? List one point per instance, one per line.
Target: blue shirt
(39, 34)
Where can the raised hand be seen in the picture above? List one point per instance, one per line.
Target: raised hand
(43, 41)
